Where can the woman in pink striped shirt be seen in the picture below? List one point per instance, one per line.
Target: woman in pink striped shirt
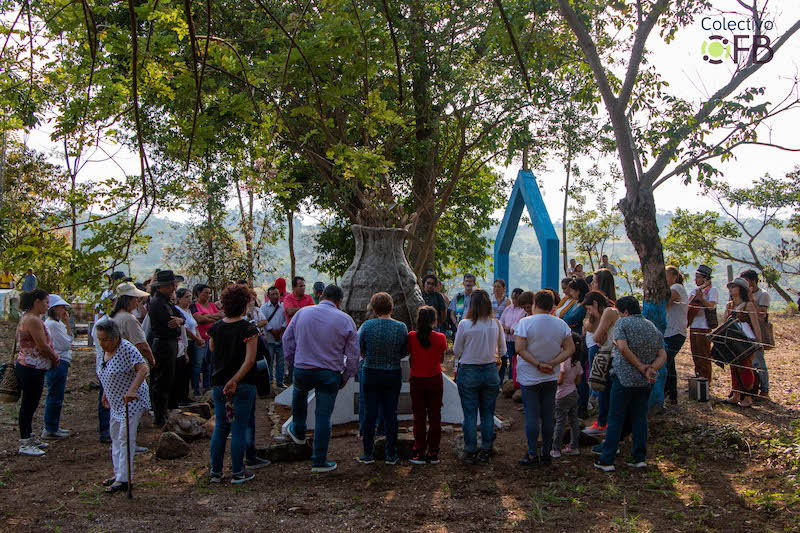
(511, 315)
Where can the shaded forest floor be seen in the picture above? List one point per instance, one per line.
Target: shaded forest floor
(713, 467)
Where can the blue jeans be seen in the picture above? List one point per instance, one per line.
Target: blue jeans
(656, 398)
(631, 403)
(103, 417)
(56, 380)
(673, 344)
(362, 404)
(243, 401)
(381, 391)
(201, 364)
(276, 369)
(325, 384)
(539, 401)
(477, 387)
(760, 366)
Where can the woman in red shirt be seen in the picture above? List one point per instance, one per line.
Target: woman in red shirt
(426, 348)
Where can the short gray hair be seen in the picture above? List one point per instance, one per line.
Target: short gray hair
(110, 327)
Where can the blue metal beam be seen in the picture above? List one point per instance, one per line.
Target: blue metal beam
(526, 194)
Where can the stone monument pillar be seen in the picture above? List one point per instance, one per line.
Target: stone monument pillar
(380, 264)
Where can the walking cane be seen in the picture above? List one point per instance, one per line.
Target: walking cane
(128, 449)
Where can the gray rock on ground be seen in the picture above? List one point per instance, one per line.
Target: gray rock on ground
(287, 452)
(517, 396)
(202, 409)
(171, 446)
(209, 426)
(188, 427)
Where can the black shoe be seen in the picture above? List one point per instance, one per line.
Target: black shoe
(471, 458)
(530, 461)
(110, 481)
(113, 489)
(485, 456)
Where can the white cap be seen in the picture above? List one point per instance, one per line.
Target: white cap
(55, 300)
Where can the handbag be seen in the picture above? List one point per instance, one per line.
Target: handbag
(598, 374)
(9, 385)
(711, 318)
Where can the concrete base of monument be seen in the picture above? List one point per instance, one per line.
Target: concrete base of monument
(345, 409)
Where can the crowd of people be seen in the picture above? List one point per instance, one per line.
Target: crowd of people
(158, 347)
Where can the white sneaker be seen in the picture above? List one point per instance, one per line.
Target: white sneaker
(36, 442)
(26, 448)
(55, 435)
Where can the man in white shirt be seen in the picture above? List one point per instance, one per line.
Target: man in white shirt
(275, 316)
(703, 297)
(761, 299)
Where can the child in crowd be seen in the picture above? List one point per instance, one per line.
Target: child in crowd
(426, 348)
(567, 403)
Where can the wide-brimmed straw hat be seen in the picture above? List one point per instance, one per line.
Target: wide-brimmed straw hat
(129, 289)
(165, 277)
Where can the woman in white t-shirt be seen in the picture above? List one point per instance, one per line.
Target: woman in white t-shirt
(675, 334)
(478, 346)
(550, 339)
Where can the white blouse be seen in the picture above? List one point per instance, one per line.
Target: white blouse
(478, 343)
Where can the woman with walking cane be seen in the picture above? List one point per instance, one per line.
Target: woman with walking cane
(122, 371)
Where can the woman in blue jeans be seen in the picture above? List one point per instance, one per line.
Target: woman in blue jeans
(383, 344)
(233, 343)
(479, 343)
(542, 342)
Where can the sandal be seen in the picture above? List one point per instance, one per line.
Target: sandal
(747, 401)
(113, 489)
(110, 481)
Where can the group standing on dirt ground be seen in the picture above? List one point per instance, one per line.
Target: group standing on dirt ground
(159, 347)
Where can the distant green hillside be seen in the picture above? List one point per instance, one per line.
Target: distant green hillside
(525, 255)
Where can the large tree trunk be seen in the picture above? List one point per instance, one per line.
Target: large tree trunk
(565, 261)
(639, 211)
(292, 260)
(421, 247)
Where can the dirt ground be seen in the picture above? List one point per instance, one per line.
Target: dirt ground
(713, 467)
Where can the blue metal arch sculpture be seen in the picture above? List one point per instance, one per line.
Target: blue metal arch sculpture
(526, 194)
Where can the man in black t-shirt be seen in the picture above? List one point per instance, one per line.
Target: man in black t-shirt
(434, 298)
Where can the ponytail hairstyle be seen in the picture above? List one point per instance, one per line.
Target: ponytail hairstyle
(672, 269)
(426, 315)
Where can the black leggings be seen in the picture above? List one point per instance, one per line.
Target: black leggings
(31, 384)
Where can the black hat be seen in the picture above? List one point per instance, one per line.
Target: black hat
(165, 277)
(118, 275)
(704, 270)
